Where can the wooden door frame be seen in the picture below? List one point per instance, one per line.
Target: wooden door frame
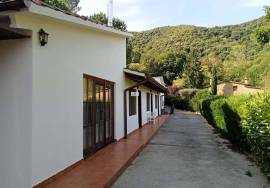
(113, 114)
(158, 98)
(97, 146)
(100, 144)
(88, 151)
(151, 103)
(140, 108)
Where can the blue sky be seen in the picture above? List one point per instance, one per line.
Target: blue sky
(147, 14)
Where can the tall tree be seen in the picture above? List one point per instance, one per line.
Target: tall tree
(267, 12)
(267, 82)
(61, 4)
(167, 64)
(67, 5)
(101, 18)
(263, 34)
(213, 67)
(214, 81)
(119, 24)
(193, 74)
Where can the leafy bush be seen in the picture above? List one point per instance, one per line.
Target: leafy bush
(233, 111)
(197, 99)
(213, 112)
(256, 122)
(61, 4)
(244, 120)
(197, 42)
(220, 114)
(178, 102)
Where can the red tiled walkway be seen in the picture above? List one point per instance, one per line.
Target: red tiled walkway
(104, 167)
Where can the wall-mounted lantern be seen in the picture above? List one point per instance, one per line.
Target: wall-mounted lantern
(43, 37)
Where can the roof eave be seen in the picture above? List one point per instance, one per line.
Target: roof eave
(35, 8)
(59, 15)
(158, 85)
(140, 77)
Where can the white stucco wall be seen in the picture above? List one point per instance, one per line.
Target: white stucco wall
(145, 113)
(15, 113)
(58, 89)
(133, 121)
(41, 106)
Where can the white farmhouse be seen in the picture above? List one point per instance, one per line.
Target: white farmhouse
(62, 86)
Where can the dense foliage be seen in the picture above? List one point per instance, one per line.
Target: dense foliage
(193, 75)
(256, 122)
(236, 47)
(263, 34)
(178, 102)
(180, 98)
(119, 24)
(214, 81)
(101, 18)
(196, 100)
(245, 120)
(58, 3)
(67, 5)
(170, 64)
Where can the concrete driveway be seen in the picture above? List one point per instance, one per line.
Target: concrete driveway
(186, 154)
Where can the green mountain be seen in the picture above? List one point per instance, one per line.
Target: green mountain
(235, 45)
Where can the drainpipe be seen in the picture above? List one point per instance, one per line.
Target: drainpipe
(125, 104)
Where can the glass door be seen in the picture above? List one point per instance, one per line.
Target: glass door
(88, 126)
(109, 112)
(98, 114)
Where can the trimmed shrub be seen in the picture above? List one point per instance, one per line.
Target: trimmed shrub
(238, 103)
(216, 116)
(196, 101)
(256, 123)
(178, 102)
(169, 100)
(234, 129)
(244, 120)
(206, 110)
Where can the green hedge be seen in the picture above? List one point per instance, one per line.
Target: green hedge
(244, 120)
(256, 123)
(196, 101)
(180, 103)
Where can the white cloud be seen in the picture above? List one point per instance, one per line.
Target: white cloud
(257, 3)
(127, 10)
(130, 12)
(93, 6)
(125, 1)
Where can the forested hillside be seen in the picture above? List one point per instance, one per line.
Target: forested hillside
(168, 50)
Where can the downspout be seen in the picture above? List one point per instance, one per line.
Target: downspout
(125, 104)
